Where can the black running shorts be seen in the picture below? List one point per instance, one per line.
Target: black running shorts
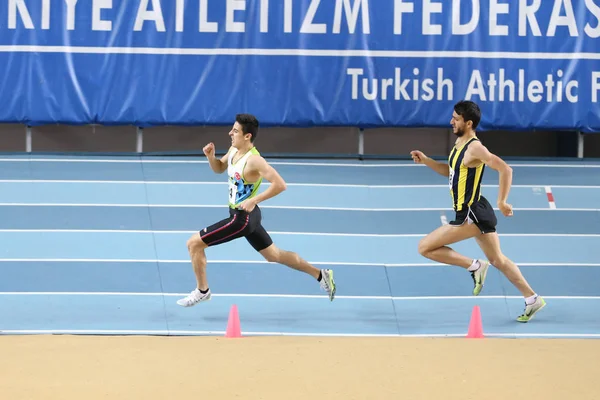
(481, 213)
(239, 224)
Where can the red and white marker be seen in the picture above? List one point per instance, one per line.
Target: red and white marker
(550, 197)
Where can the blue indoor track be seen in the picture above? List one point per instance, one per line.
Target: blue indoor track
(98, 246)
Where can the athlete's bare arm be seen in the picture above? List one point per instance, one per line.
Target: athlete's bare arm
(478, 152)
(218, 166)
(257, 167)
(420, 158)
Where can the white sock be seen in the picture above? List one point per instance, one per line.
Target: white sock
(474, 267)
(530, 300)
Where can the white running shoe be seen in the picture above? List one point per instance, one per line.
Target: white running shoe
(194, 298)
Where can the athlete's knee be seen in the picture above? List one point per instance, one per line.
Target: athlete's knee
(499, 260)
(272, 254)
(425, 247)
(195, 243)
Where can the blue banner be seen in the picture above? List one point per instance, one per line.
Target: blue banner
(530, 64)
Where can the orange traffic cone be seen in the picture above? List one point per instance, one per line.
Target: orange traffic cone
(475, 325)
(233, 324)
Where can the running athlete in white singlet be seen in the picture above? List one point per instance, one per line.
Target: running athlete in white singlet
(246, 169)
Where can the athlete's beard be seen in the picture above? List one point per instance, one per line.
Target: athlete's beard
(459, 132)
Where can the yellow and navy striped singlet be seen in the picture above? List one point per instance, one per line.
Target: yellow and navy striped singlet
(465, 183)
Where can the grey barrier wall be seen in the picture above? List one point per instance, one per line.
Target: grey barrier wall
(298, 142)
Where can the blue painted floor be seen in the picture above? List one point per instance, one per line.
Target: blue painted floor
(97, 246)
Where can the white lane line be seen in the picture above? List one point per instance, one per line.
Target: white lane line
(284, 233)
(364, 164)
(266, 206)
(146, 332)
(290, 296)
(331, 263)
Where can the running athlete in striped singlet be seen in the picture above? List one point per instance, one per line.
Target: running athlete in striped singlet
(246, 170)
(474, 216)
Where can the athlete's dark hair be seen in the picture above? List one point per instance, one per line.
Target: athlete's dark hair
(249, 124)
(469, 111)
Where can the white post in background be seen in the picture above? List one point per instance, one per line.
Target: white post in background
(361, 141)
(139, 146)
(579, 144)
(28, 139)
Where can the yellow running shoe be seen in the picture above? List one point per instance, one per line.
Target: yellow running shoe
(531, 309)
(479, 276)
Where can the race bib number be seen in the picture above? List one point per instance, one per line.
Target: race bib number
(450, 178)
(232, 192)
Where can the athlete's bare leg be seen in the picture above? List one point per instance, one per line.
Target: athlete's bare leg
(294, 261)
(435, 245)
(196, 248)
(289, 259)
(490, 245)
